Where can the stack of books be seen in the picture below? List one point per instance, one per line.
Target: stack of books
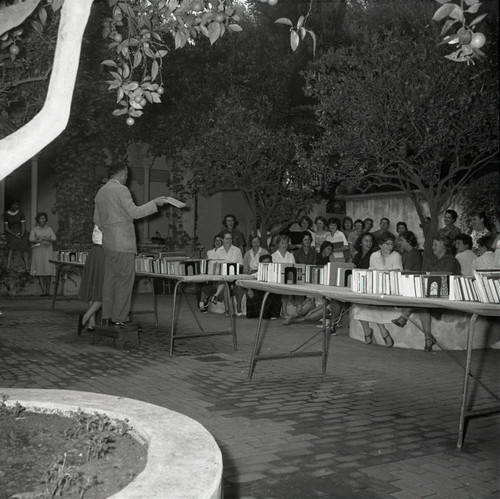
(331, 274)
(71, 256)
(153, 264)
(488, 285)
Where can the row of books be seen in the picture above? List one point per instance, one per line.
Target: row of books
(484, 286)
(168, 266)
(331, 274)
(71, 256)
(401, 283)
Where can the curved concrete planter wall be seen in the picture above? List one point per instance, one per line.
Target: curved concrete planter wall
(184, 460)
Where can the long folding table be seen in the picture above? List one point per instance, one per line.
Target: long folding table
(346, 295)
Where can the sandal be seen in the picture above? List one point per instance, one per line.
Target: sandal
(400, 321)
(389, 342)
(429, 343)
(369, 337)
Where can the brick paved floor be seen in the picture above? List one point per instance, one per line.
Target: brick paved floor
(382, 423)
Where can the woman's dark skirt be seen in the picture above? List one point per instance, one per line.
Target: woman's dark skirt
(93, 275)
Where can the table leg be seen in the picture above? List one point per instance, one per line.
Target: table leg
(155, 300)
(56, 285)
(231, 314)
(174, 312)
(465, 391)
(257, 337)
(326, 336)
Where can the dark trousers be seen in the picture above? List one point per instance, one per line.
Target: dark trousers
(119, 275)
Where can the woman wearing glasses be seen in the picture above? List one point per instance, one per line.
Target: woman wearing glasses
(383, 259)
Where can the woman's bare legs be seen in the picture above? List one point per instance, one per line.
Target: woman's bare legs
(89, 315)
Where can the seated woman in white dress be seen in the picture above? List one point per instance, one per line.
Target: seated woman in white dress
(282, 255)
(384, 259)
(229, 254)
(252, 256)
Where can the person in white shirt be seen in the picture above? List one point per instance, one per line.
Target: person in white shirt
(486, 258)
(229, 254)
(282, 255)
(465, 255)
(338, 239)
(252, 256)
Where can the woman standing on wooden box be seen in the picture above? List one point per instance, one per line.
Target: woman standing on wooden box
(383, 259)
(42, 237)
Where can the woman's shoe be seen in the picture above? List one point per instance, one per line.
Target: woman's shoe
(400, 321)
(369, 337)
(80, 324)
(389, 342)
(429, 343)
(90, 329)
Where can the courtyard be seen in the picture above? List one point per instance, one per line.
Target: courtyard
(381, 423)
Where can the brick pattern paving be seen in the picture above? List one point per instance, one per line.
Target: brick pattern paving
(382, 423)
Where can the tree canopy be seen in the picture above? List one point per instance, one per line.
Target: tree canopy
(395, 114)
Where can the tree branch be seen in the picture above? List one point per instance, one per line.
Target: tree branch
(20, 146)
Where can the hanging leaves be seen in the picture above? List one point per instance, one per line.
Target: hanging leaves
(469, 41)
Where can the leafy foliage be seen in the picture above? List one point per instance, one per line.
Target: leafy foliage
(236, 149)
(468, 40)
(395, 115)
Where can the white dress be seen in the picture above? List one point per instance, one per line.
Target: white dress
(380, 315)
(279, 258)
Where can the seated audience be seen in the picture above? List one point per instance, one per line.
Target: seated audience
(229, 254)
(364, 246)
(353, 235)
(442, 261)
(486, 258)
(338, 240)
(478, 229)
(412, 261)
(385, 223)
(450, 230)
(401, 227)
(325, 253)
(383, 259)
(368, 224)
(297, 229)
(464, 253)
(321, 232)
(208, 289)
(411, 256)
(252, 256)
(347, 226)
(272, 308)
(306, 254)
(230, 223)
(282, 255)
